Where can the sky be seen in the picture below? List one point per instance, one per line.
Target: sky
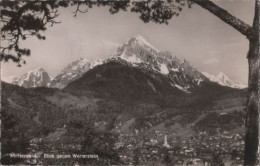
(209, 44)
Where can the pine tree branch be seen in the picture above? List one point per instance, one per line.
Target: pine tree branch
(225, 16)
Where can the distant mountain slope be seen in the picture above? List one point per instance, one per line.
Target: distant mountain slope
(73, 71)
(119, 80)
(224, 80)
(36, 78)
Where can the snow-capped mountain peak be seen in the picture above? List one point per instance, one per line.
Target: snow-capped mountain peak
(71, 72)
(140, 53)
(138, 39)
(74, 71)
(224, 80)
(137, 43)
(36, 78)
(81, 62)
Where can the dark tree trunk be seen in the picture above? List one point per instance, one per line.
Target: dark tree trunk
(252, 119)
(251, 155)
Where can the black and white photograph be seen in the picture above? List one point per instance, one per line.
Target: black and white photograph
(130, 82)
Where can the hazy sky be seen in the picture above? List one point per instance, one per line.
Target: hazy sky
(196, 35)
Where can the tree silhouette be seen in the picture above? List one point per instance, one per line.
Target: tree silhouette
(20, 20)
(23, 19)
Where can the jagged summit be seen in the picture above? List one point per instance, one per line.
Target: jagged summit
(36, 78)
(140, 53)
(140, 40)
(80, 62)
(40, 70)
(71, 72)
(74, 71)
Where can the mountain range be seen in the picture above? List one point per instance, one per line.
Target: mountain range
(138, 53)
(137, 93)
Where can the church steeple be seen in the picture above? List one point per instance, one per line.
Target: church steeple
(165, 144)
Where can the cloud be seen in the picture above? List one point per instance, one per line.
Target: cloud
(210, 61)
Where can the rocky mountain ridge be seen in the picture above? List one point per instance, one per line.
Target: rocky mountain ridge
(140, 54)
